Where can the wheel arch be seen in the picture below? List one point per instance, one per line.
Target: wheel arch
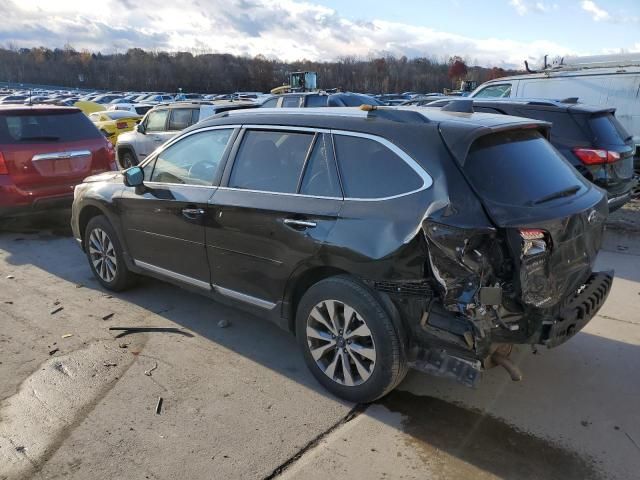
(121, 149)
(88, 212)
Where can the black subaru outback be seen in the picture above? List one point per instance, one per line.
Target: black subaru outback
(383, 239)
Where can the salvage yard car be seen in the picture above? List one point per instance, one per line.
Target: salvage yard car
(45, 151)
(383, 238)
(112, 123)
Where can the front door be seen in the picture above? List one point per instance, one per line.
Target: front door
(163, 222)
(281, 200)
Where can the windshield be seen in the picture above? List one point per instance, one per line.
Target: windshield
(520, 167)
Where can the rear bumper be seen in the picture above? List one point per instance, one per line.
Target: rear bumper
(577, 311)
(14, 201)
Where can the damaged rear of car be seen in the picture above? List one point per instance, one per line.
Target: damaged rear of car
(524, 275)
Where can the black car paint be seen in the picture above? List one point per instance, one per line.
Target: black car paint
(249, 249)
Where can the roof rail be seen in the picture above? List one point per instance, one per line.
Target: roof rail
(594, 61)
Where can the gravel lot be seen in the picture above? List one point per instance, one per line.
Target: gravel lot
(79, 401)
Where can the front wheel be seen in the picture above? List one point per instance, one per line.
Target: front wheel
(349, 342)
(105, 255)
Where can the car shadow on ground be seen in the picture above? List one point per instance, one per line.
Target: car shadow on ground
(438, 421)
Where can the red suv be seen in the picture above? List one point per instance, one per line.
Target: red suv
(45, 151)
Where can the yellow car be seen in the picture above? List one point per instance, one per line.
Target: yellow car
(112, 123)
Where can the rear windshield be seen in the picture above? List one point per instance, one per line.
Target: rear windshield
(520, 167)
(46, 127)
(607, 130)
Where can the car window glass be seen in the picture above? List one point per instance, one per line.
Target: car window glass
(291, 102)
(370, 170)
(156, 121)
(271, 103)
(192, 160)
(180, 118)
(270, 161)
(320, 176)
(495, 91)
(316, 101)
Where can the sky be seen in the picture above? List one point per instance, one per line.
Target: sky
(500, 33)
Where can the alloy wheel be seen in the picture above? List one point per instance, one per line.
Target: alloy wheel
(341, 343)
(103, 255)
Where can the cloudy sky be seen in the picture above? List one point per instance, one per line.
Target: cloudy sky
(487, 32)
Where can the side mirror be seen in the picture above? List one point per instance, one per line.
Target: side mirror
(140, 128)
(133, 177)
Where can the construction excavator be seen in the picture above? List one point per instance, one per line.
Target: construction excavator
(298, 82)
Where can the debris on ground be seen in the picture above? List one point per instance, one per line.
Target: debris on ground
(8, 302)
(632, 440)
(57, 302)
(110, 364)
(20, 449)
(67, 335)
(56, 310)
(108, 316)
(159, 406)
(128, 330)
(55, 350)
(224, 323)
(148, 372)
(79, 285)
(10, 277)
(123, 345)
(585, 423)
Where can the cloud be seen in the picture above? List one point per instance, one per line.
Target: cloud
(286, 29)
(523, 7)
(596, 12)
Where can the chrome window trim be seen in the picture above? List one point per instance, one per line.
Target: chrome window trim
(243, 297)
(279, 193)
(172, 185)
(171, 274)
(60, 155)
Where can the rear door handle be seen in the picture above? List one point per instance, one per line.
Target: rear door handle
(299, 223)
(192, 213)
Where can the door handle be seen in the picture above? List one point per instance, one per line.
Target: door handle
(192, 213)
(299, 223)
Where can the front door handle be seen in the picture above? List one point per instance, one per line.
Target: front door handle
(292, 222)
(192, 213)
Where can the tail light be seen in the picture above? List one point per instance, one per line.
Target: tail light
(592, 156)
(3, 166)
(534, 241)
(121, 125)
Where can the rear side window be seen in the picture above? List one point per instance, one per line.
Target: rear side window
(270, 161)
(320, 176)
(49, 127)
(607, 130)
(291, 102)
(271, 103)
(371, 170)
(519, 167)
(316, 101)
(180, 118)
(157, 120)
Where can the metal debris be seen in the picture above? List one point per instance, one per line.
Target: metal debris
(56, 310)
(224, 323)
(128, 330)
(10, 277)
(110, 364)
(51, 352)
(108, 316)
(159, 406)
(67, 335)
(148, 372)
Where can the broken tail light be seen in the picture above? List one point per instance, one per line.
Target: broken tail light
(593, 156)
(3, 166)
(534, 241)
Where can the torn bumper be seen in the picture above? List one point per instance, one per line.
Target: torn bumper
(578, 310)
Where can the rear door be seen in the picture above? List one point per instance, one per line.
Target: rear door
(49, 151)
(163, 222)
(155, 132)
(281, 198)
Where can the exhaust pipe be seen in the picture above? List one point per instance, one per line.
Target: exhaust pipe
(511, 368)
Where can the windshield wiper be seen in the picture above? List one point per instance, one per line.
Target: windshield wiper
(563, 193)
(39, 137)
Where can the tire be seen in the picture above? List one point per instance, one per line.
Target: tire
(127, 160)
(104, 253)
(374, 377)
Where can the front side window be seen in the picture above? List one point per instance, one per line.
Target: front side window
(157, 120)
(495, 91)
(192, 160)
(371, 170)
(270, 161)
(180, 118)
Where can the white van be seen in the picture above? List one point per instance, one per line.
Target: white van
(607, 80)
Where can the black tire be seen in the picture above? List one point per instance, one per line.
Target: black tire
(390, 363)
(127, 159)
(122, 277)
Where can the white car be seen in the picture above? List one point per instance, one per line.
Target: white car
(605, 80)
(162, 123)
(138, 108)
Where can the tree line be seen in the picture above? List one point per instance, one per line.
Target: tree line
(140, 70)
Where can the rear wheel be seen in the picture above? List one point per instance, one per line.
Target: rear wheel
(349, 342)
(105, 255)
